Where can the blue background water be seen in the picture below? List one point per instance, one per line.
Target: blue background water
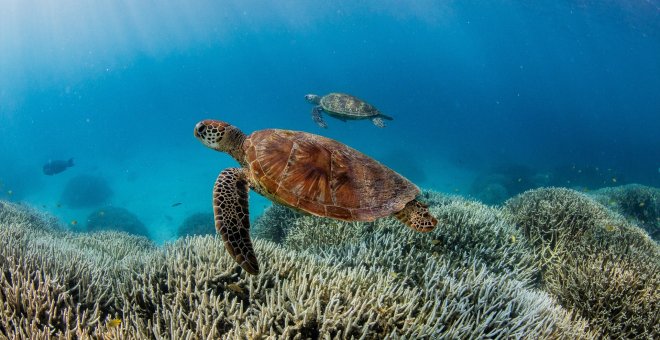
(546, 93)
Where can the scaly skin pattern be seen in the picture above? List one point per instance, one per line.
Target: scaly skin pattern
(232, 217)
(416, 215)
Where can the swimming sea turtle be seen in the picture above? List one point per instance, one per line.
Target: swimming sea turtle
(306, 172)
(344, 107)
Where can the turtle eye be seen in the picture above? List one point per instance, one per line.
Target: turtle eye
(201, 129)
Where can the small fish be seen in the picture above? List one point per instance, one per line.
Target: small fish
(101, 213)
(610, 227)
(54, 167)
(613, 179)
(9, 192)
(74, 222)
(642, 204)
(114, 323)
(59, 205)
(176, 204)
(513, 239)
(519, 180)
(436, 242)
(394, 275)
(234, 287)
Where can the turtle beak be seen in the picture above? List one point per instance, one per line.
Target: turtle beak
(199, 129)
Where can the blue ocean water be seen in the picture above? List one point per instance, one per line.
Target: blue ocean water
(512, 94)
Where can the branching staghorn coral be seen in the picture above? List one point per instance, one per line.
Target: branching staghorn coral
(274, 223)
(192, 289)
(469, 233)
(56, 282)
(638, 203)
(593, 260)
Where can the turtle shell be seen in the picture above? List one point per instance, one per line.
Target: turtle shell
(323, 177)
(348, 105)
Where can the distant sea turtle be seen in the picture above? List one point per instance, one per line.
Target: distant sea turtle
(306, 172)
(344, 107)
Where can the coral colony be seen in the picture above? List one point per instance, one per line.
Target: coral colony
(550, 263)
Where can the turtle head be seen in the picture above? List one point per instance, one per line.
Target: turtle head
(221, 136)
(312, 98)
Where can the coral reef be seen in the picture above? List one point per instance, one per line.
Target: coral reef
(640, 204)
(551, 263)
(197, 224)
(86, 191)
(274, 223)
(115, 218)
(55, 283)
(592, 260)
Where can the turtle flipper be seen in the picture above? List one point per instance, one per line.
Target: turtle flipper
(232, 217)
(378, 121)
(416, 215)
(316, 115)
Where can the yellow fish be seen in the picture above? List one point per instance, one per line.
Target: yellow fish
(234, 287)
(610, 227)
(513, 239)
(436, 242)
(74, 222)
(114, 323)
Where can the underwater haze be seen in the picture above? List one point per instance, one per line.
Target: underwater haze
(489, 98)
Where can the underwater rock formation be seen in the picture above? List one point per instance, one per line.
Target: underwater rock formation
(505, 181)
(115, 218)
(197, 224)
(477, 275)
(85, 191)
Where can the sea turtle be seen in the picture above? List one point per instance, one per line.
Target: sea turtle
(344, 107)
(306, 172)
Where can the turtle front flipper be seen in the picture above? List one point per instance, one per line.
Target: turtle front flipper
(316, 115)
(416, 215)
(232, 217)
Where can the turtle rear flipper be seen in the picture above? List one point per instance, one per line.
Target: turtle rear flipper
(232, 217)
(416, 215)
(316, 116)
(378, 121)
